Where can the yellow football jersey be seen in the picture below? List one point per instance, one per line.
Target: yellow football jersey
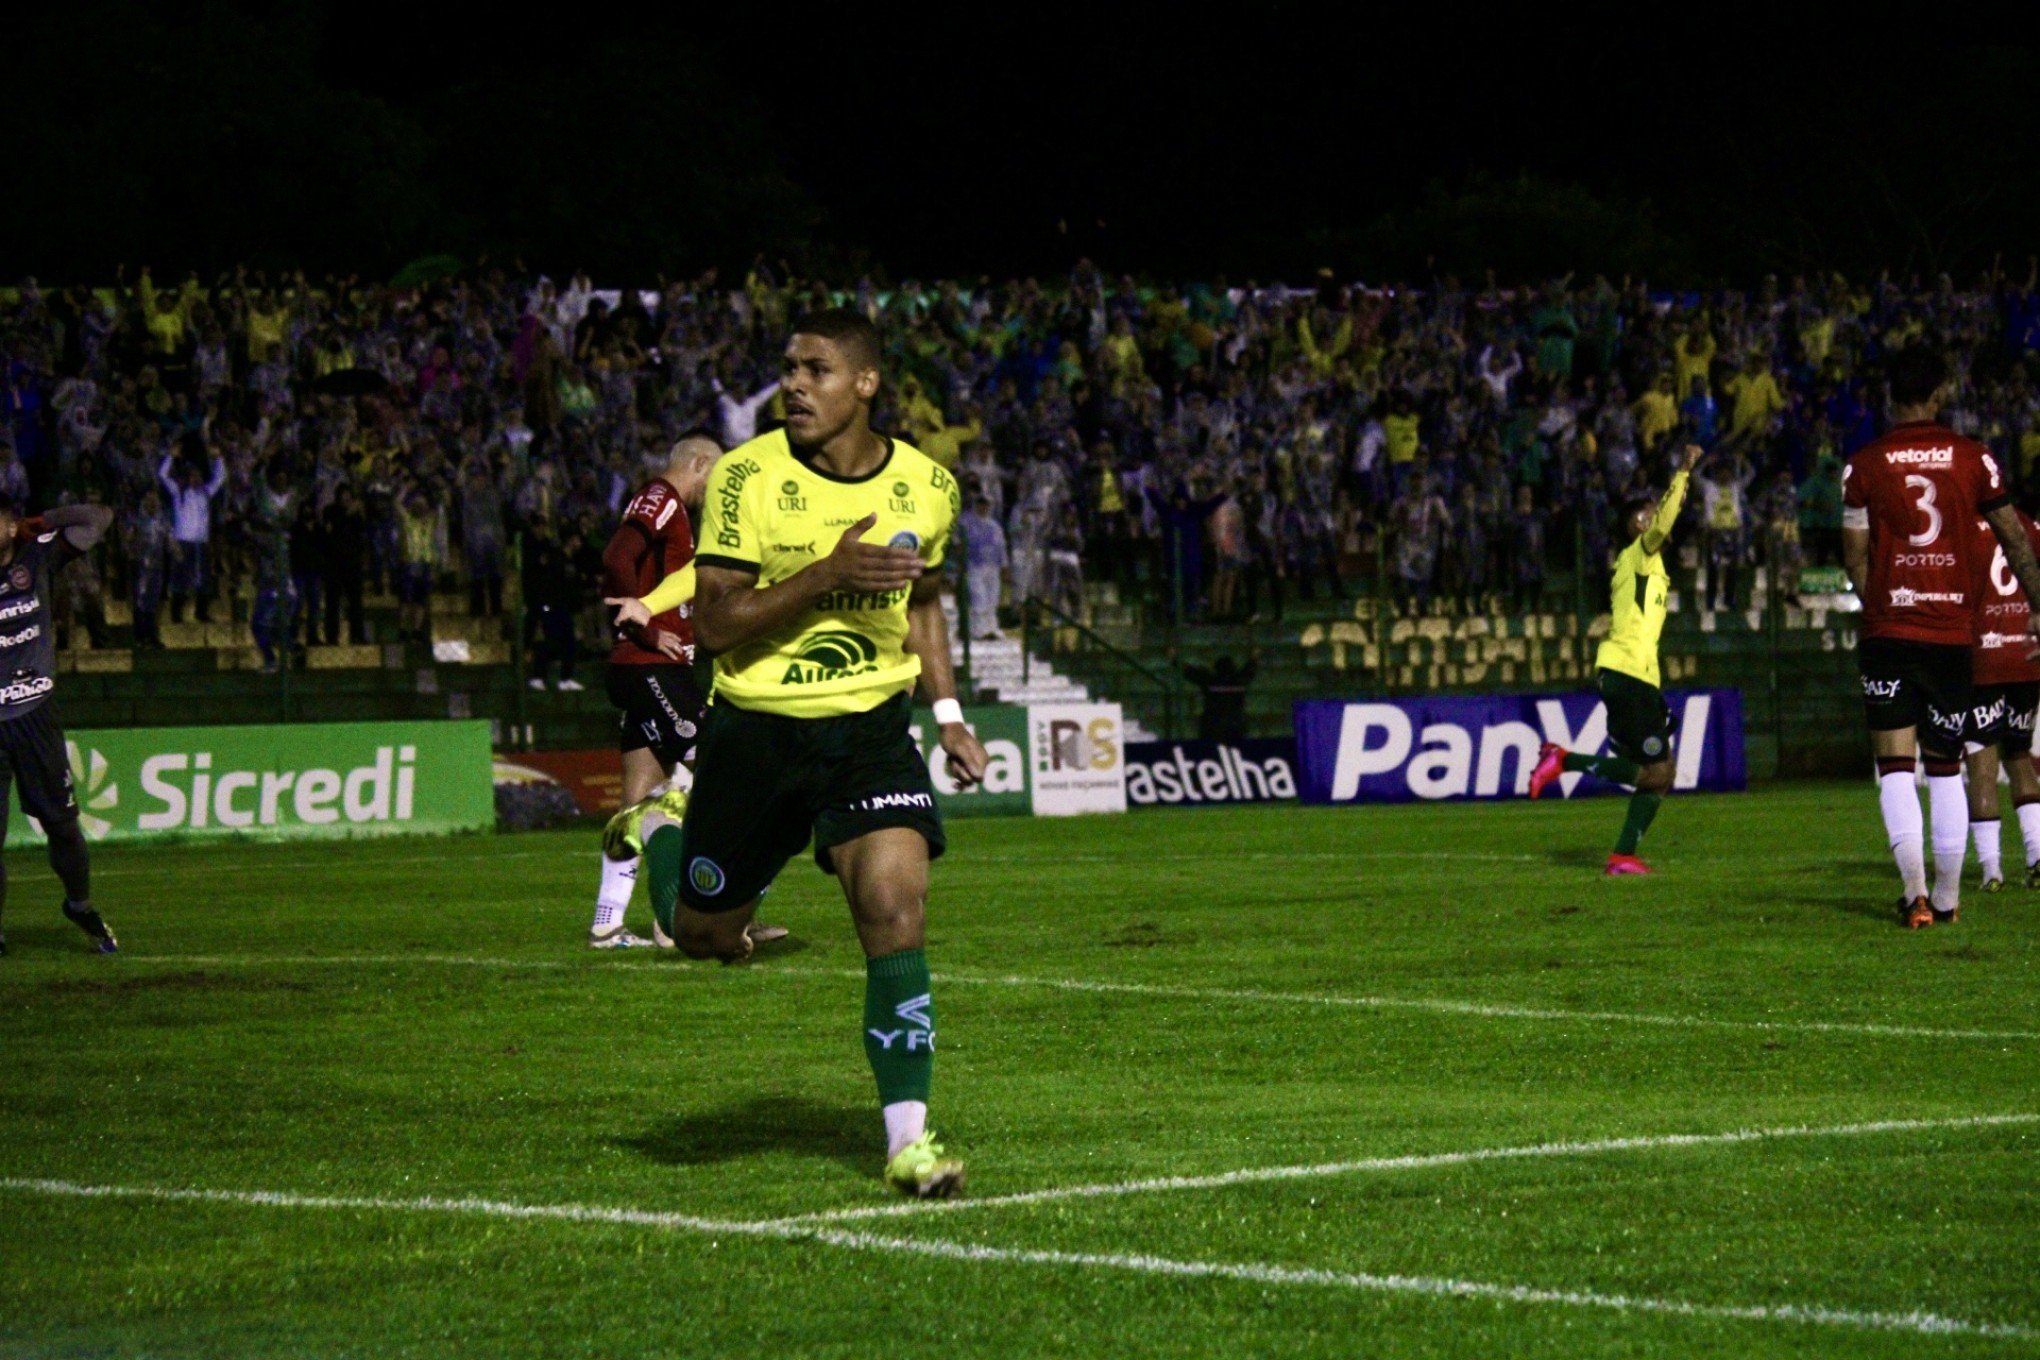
(1638, 594)
(769, 511)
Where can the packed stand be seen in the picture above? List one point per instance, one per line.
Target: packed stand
(1215, 451)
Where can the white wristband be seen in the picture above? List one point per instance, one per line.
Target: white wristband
(947, 711)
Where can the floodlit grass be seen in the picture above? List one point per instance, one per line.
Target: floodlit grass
(1168, 994)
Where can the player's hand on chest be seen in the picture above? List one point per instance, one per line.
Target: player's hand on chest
(806, 515)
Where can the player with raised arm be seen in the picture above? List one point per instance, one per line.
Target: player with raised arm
(1909, 500)
(651, 678)
(2001, 711)
(1627, 675)
(817, 595)
(32, 749)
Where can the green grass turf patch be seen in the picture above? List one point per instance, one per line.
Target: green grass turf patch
(1163, 994)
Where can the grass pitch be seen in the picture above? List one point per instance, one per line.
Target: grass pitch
(381, 1101)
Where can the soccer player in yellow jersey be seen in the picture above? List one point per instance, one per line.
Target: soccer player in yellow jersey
(816, 590)
(1626, 673)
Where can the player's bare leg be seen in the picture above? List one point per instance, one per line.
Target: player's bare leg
(1985, 828)
(723, 935)
(1897, 755)
(885, 880)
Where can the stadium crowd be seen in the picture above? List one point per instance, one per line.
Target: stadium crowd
(1216, 450)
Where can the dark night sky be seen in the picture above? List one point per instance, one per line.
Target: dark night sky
(1264, 139)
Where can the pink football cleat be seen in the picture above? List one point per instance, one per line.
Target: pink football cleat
(1626, 864)
(1550, 765)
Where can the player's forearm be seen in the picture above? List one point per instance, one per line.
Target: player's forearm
(2011, 535)
(730, 616)
(1660, 527)
(81, 525)
(1856, 558)
(928, 638)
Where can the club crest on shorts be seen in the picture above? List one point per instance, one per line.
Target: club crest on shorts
(906, 538)
(1653, 747)
(706, 876)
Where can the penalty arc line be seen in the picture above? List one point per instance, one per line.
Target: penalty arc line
(1430, 1005)
(1410, 1162)
(1917, 1322)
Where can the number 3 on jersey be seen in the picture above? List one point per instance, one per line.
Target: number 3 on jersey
(1925, 504)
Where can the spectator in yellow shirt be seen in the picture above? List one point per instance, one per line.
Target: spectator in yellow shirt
(1693, 357)
(1657, 413)
(1757, 398)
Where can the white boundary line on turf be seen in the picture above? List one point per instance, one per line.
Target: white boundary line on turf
(1916, 1322)
(1486, 1010)
(1431, 1005)
(258, 865)
(1411, 1162)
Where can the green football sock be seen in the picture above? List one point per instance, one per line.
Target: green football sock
(662, 865)
(899, 1025)
(1612, 768)
(1642, 808)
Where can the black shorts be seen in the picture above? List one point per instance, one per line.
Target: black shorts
(33, 755)
(1639, 720)
(1924, 685)
(661, 710)
(2002, 716)
(765, 783)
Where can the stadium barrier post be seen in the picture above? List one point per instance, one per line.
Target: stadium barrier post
(1579, 575)
(1026, 643)
(1383, 675)
(517, 673)
(1774, 610)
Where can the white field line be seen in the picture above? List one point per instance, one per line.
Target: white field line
(168, 867)
(1916, 1322)
(1432, 1005)
(1486, 1010)
(172, 867)
(1412, 1162)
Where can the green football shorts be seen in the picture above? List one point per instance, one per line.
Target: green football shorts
(764, 784)
(1639, 720)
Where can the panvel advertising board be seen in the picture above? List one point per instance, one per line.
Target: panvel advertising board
(1484, 746)
(284, 782)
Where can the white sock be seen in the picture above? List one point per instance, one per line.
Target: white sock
(619, 878)
(1949, 802)
(1900, 801)
(905, 1120)
(2029, 830)
(1987, 832)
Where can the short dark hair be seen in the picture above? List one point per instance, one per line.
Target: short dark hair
(845, 326)
(1917, 372)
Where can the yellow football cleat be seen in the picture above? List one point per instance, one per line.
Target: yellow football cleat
(919, 1169)
(623, 836)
